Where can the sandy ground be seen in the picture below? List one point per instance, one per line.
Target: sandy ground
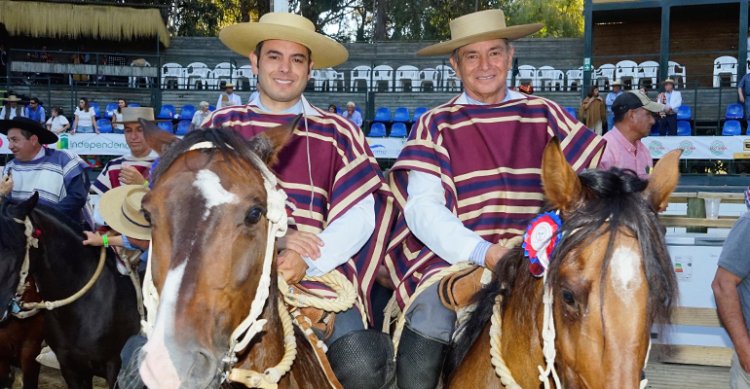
(51, 379)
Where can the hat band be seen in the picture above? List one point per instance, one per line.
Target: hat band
(125, 214)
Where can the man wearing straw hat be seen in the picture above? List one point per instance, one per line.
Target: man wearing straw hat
(133, 168)
(339, 203)
(467, 181)
(611, 96)
(57, 175)
(228, 98)
(672, 101)
(11, 109)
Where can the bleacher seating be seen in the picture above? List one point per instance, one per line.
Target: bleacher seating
(183, 126)
(133, 105)
(383, 114)
(419, 111)
(401, 114)
(684, 112)
(104, 126)
(684, 128)
(572, 111)
(167, 111)
(166, 126)
(96, 107)
(654, 129)
(187, 112)
(398, 130)
(732, 127)
(725, 67)
(109, 109)
(377, 130)
(735, 112)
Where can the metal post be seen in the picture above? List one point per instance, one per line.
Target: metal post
(664, 42)
(742, 44)
(588, 36)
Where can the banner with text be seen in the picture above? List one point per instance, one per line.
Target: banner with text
(699, 147)
(84, 144)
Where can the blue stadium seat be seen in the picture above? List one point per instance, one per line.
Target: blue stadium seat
(377, 130)
(684, 112)
(419, 111)
(684, 128)
(166, 126)
(167, 112)
(134, 105)
(212, 108)
(187, 112)
(654, 130)
(96, 107)
(183, 127)
(104, 125)
(732, 127)
(401, 114)
(383, 114)
(572, 112)
(398, 130)
(735, 112)
(109, 109)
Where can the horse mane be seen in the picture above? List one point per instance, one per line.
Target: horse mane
(6, 234)
(613, 200)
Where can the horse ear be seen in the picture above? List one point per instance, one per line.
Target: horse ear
(268, 143)
(158, 139)
(560, 182)
(24, 208)
(663, 180)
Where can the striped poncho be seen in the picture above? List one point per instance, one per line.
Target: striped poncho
(343, 171)
(488, 158)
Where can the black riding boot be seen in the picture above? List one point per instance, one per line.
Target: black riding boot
(363, 360)
(419, 361)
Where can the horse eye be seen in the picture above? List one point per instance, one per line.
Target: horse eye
(568, 297)
(254, 215)
(146, 215)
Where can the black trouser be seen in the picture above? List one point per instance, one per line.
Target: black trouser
(668, 125)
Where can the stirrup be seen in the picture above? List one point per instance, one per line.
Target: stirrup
(48, 358)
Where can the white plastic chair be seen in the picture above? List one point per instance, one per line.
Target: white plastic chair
(173, 71)
(198, 73)
(428, 76)
(605, 74)
(527, 73)
(547, 75)
(677, 72)
(574, 78)
(725, 66)
(447, 78)
(648, 70)
(133, 81)
(336, 79)
(407, 72)
(627, 69)
(320, 79)
(222, 71)
(383, 73)
(244, 74)
(360, 73)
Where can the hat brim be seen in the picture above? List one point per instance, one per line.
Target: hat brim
(242, 38)
(668, 82)
(654, 107)
(509, 33)
(44, 135)
(136, 121)
(110, 207)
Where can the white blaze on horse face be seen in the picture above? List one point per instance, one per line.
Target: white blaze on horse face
(209, 185)
(625, 270)
(158, 370)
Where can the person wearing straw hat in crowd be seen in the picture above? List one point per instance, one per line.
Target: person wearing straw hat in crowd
(11, 109)
(672, 101)
(338, 199)
(59, 176)
(133, 168)
(466, 182)
(611, 96)
(228, 98)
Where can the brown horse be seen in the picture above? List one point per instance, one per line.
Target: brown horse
(210, 214)
(610, 276)
(21, 342)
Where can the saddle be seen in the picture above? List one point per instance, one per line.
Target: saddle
(456, 290)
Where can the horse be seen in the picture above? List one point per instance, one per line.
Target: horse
(87, 334)
(211, 246)
(609, 280)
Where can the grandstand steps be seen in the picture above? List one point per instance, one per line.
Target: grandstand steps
(67, 98)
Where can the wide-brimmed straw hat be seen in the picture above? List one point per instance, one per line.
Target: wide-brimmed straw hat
(477, 27)
(668, 81)
(616, 83)
(228, 85)
(12, 99)
(132, 114)
(44, 135)
(242, 38)
(121, 209)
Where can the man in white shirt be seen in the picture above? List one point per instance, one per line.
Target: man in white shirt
(228, 98)
(611, 96)
(672, 100)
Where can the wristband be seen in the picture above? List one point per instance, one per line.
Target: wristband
(105, 240)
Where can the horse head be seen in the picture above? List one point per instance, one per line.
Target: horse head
(12, 248)
(209, 212)
(611, 277)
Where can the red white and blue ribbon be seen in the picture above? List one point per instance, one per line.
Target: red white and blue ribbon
(540, 240)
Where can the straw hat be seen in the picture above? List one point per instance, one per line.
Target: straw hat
(228, 85)
(121, 209)
(616, 83)
(12, 99)
(242, 38)
(132, 114)
(45, 136)
(477, 27)
(668, 81)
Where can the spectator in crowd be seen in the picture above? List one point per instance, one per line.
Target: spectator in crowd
(334, 215)
(352, 114)
(58, 176)
(11, 109)
(430, 182)
(200, 115)
(633, 117)
(228, 98)
(332, 108)
(117, 125)
(731, 286)
(592, 111)
(35, 111)
(57, 122)
(743, 90)
(133, 168)
(85, 121)
(672, 100)
(611, 96)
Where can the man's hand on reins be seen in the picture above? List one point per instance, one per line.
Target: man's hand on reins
(131, 176)
(494, 253)
(6, 185)
(304, 243)
(291, 266)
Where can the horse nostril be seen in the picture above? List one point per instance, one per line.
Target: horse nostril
(204, 368)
